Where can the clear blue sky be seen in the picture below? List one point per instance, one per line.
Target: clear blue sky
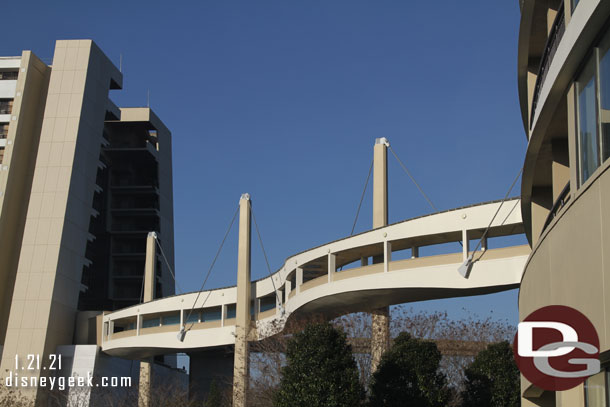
(283, 99)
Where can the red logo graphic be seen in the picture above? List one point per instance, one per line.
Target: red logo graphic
(556, 348)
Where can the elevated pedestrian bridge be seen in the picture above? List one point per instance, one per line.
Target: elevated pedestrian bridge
(356, 273)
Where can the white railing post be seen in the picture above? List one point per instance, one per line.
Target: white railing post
(299, 279)
(414, 252)
(387, 255)
(465, 245)
(332, 266)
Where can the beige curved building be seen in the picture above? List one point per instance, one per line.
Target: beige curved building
(564, 92)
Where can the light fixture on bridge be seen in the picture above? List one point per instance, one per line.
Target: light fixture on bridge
(466, 267)
(181, 334)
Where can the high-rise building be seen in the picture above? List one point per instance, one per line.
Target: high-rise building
(82, 183)
(564, 92)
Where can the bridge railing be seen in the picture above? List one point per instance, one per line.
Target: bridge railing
(316, 268)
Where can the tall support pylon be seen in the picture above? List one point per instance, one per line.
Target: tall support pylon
(380, 317)
(148, 295)
(242, 326)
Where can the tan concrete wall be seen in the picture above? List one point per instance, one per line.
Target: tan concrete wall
(571, 263)
(313, 283)
(209, 324)
(52, 255)
(16, 181)
(266, 314)
(358, 271)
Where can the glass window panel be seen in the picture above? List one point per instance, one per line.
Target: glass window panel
(267, 303)
(595, 390)
(574, 4)
(151, 322)
(171, 319)
(193, 318)
(587, 122)
(211, 314)
(604, 94)
(231, 311)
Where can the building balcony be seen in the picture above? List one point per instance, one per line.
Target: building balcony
(555, 35)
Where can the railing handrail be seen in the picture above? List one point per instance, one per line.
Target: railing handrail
(562, 199)
(555, 36)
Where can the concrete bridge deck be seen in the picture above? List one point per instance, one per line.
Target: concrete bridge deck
(333, 279)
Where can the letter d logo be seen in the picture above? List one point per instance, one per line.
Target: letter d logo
(526, 338)
(556, 348)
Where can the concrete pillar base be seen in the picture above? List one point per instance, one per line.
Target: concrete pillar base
(145, 382)
(380, 335)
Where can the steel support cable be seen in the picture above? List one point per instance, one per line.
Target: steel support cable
(167, 262)
(413, 179)
(366, 184)
(142, 288)
(504, 221)
(265, 255)
(208, 274)
(415, 182)
(496, 214)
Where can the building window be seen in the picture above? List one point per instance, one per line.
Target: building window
(574, 4)
(193, 318)
(6, 106)
(593, 111)
(596, 390)
(8, 75)
(3, 131)
(1, 154)
(604, 94)
(587, 122)
(171, 319)
(151, 322)
(211, 314)
(231, 311)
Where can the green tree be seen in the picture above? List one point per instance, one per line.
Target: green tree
(492, 379)
(408, 375)
(214, 398)
(320, 371)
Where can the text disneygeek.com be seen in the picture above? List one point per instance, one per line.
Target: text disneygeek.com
(61, 383)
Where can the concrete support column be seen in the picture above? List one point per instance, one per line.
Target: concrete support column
(299, 280)
(387, 256)
(465, 245)
(150, 267)
(380, 318)
(380, 183)
(542, 201)
(145, 383)
(364, 261)
(380, 335)
(414, 252)
(148, 295)
(560, 167)
(332, 266)
(242, 322)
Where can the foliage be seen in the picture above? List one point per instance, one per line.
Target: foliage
(214, 398)
(409, 375)
(268, 355)
(493, 378)
(320, 370)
